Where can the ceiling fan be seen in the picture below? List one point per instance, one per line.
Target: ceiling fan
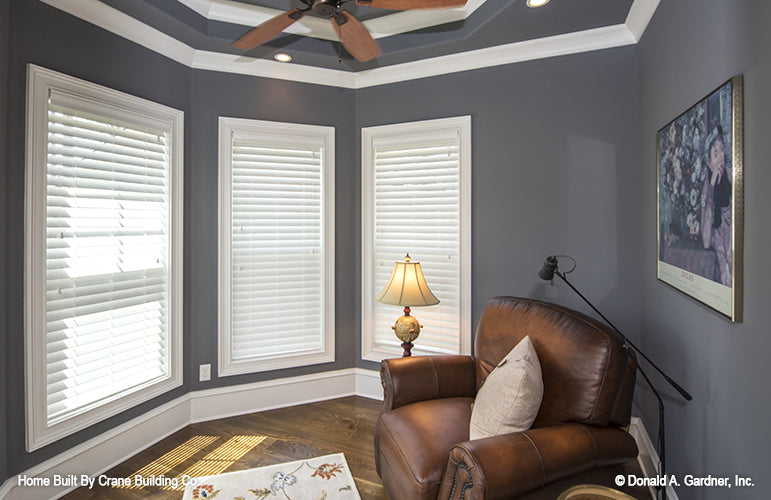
(352, 34)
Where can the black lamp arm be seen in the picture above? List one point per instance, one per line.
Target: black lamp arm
(674, 384)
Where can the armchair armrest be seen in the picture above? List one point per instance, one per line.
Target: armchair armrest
(419, 378)
(510, 465)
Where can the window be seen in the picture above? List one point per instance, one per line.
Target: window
(416, 199)
(103, 253)
(276, 297)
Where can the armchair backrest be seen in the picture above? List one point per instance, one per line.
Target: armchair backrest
(588, 374)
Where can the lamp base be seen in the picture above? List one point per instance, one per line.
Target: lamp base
(407, 329)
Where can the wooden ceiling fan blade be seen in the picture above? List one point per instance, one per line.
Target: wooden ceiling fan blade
(356, 39)
(268, 29)
(412, 4)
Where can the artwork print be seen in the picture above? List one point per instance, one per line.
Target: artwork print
(700, 200)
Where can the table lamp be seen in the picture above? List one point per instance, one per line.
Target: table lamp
(407, 287)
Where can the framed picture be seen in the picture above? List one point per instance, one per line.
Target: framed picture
(700, 200)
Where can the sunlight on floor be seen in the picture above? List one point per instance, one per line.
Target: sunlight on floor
(215, 462)
(220, 459)
(172, 459)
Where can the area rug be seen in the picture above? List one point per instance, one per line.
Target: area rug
(320, 478)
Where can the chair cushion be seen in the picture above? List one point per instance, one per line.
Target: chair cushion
(510, 397)
(415, 441)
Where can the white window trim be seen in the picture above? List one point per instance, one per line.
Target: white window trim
(227, 126)
(461, 124)
(39, 81)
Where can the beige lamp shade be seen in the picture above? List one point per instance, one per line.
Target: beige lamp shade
(407, 286)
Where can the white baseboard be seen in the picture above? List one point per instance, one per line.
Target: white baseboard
(223, 402)
(368, 384)
(107, 450)
(648, 458)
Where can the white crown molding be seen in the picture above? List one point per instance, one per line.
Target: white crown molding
(230, 63)
(392, 24)
(115, 21)
(640, 14)
(411, 20)
(540, 48)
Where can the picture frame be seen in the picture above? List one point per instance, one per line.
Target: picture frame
(700, 206)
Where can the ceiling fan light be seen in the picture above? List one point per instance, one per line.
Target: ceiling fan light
(282, 57)
(536, 3)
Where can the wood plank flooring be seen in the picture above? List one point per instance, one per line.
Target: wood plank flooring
(343, 425)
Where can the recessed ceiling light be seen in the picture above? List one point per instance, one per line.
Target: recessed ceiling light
(536, 3)
(281, 57)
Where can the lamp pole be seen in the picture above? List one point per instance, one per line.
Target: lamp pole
(547, 272)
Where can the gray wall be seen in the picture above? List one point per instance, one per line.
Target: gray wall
(4, 26)
(690, 48)
(65, 44)
(555, 170)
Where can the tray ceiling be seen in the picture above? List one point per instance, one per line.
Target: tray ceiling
(414, 43)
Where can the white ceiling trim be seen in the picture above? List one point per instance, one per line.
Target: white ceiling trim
(316, 27)
(640, 14)
(115, 21)
(541, 48)
(121, 24)
(229, 63)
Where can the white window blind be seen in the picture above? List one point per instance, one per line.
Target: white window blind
(107, 298)
(276, 266)
(416, 178)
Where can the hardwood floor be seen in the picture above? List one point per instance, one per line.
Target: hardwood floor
(343, 425)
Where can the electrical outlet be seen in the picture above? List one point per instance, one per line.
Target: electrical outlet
(204, 373)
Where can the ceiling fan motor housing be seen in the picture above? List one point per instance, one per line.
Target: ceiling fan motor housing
(325, 8)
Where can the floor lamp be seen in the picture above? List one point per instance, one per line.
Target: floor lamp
(547, 272)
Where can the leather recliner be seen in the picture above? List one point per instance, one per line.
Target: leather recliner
(422, 447)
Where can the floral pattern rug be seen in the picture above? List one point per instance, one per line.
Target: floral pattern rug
(320, 478)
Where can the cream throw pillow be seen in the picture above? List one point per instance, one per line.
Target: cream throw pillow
(510, 397)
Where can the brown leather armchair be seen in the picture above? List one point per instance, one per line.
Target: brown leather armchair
(422, 447)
